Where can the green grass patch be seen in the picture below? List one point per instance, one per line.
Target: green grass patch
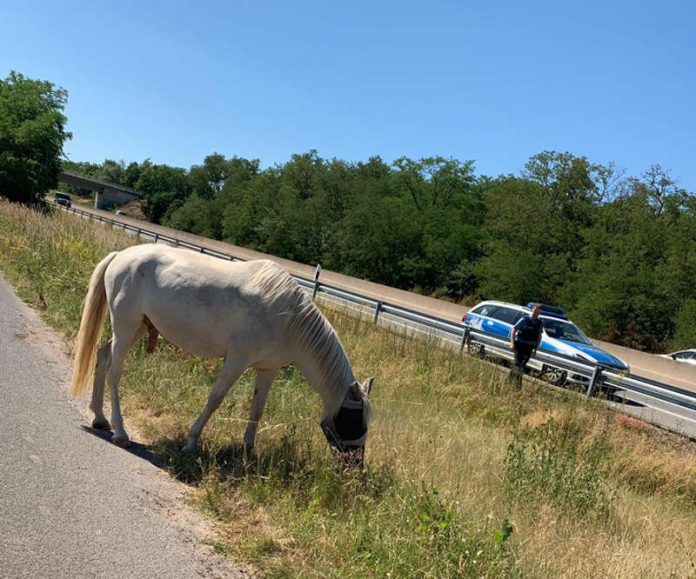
(558, 461)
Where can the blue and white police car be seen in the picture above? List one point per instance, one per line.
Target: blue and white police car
(559, 336)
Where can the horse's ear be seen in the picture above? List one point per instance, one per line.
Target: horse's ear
(367, 388)
(355, 392)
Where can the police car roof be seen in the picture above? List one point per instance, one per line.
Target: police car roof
(550, 311)
(544, 313)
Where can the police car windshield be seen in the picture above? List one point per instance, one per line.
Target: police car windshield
(564, 331)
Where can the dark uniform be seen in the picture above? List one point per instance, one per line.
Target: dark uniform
(526, 337)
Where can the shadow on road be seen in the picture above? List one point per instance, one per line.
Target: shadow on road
(137, 449)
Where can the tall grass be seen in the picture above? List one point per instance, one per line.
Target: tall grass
(558, 462)
(465, 476)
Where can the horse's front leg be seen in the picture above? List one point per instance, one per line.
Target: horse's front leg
(264, 379)
(231, 370)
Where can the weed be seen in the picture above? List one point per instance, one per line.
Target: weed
(556, 461)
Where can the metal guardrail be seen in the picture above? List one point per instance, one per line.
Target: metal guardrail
(597, 376)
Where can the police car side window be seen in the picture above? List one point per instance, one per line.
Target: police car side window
(485, 310)
(518, 317)
(507, 315)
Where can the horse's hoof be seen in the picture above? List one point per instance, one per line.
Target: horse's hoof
(102, 424)
(189, 448)
(123, 442)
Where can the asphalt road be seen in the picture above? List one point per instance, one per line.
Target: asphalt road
(71, 504)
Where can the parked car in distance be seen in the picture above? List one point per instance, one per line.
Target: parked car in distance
(559, 336)
(686, 356)
(121, 212)
(63, 199)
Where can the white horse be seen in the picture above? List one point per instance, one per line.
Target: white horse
(253, 314)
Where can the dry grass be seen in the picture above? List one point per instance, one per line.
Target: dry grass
(441, 496)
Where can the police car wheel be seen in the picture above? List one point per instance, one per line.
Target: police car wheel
(475, 349)
(556, 376)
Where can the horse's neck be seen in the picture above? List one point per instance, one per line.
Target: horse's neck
(328, 371)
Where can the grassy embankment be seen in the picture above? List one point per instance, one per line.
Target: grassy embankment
(466, 476)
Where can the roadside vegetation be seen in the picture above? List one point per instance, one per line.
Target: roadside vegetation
(466, 476)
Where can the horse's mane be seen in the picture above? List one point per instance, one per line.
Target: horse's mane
(304, 323)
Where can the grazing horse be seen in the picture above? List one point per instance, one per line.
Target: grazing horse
(254, 314)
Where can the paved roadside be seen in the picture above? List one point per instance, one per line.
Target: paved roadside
(71, 504)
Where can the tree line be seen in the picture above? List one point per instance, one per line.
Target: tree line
(619, 253)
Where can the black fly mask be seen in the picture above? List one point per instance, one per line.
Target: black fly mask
(346, 431)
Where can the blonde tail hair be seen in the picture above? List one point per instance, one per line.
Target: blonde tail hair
(90, 329)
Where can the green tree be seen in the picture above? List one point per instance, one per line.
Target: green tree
(113, 172)
(32, 133)
(132, 173)
(207, 180)
(164, 189)
(380, 240)
(196, 215)
(685, 326)
(634, 283)
(535, 226)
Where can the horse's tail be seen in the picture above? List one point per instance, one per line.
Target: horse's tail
(90, 329)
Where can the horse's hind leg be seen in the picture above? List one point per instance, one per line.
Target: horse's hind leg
(264, 379)
(231, 370)
(125, 334)
(103, 363)
(97, 404)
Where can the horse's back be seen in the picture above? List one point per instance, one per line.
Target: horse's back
(157, 267)
(198, 302)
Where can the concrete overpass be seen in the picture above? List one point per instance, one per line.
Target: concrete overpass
(107, 195)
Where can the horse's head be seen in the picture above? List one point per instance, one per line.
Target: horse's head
(346, 430)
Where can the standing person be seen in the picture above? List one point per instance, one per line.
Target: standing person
(525, 338)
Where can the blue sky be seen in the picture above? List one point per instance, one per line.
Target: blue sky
(495, 82)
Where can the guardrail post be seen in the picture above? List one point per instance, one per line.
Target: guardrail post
(378, 309)
(201, 249)
(316, 281)
(465, 337)
(596, 379)
(156, 237)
